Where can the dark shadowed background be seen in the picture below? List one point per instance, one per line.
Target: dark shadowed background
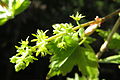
(41, 14)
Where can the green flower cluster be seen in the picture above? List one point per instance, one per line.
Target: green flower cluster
(64, 48)
(25, 52)
(24, 56)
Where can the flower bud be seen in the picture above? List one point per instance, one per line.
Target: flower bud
(91, 29)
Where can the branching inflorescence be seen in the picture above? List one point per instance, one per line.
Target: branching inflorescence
(68, 47)
(64, 47)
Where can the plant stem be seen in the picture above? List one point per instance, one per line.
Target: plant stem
(83, 41)
(55, 36)
(105, 44)
(86, 24)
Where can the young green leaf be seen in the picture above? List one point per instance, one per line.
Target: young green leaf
(64, 60)
(10, 8)
(20, 5)
(87, 63)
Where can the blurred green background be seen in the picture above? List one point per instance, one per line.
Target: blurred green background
(41, 14)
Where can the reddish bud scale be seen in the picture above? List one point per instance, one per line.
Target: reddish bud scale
(98, 20)
(93, 26)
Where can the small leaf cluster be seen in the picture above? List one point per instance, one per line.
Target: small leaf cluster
(65, 50)
(10, 8)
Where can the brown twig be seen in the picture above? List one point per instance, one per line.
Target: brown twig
(112, 14)
(105, 44)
